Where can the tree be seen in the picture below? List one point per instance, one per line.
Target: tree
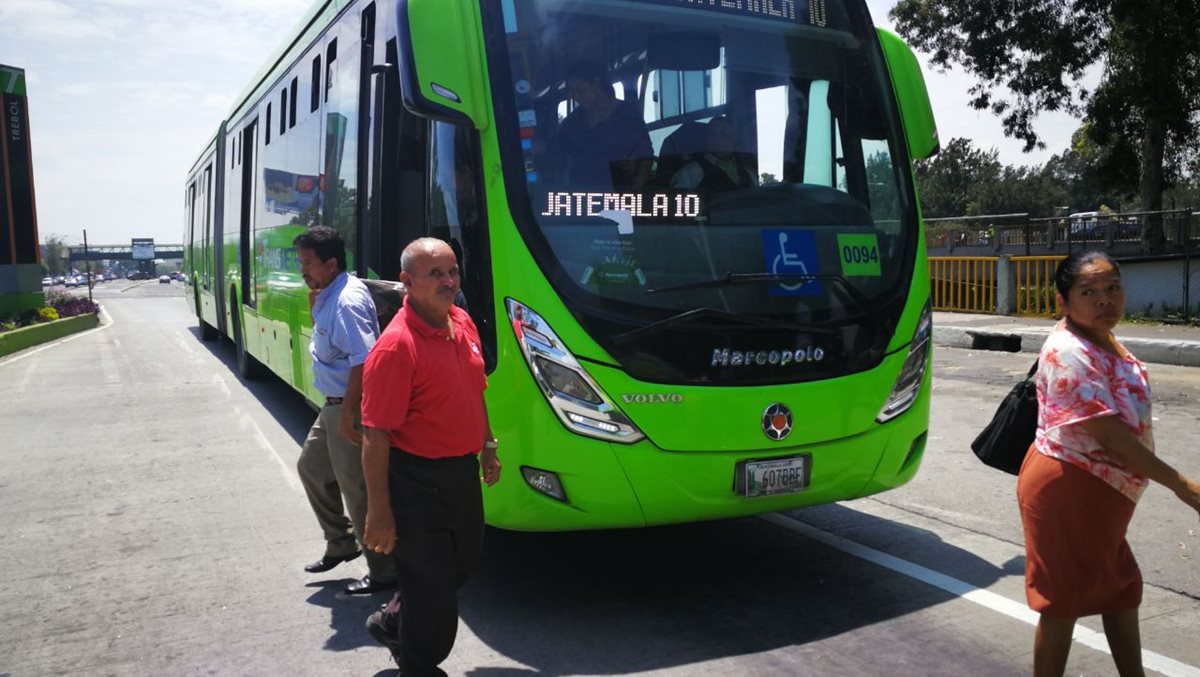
(1149, 96)
(1020, 190)
(947, 181)
(1094, 175)
(962, 180)
(1181, 197)
(54, 254)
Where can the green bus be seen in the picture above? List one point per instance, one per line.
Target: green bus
(688, 232)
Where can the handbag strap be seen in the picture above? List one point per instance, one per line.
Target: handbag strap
(1033, 369)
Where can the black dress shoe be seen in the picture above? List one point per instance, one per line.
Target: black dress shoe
(329, 561)
(369, 586)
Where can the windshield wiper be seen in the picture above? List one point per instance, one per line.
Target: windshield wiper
(690, 316)
(850, 293)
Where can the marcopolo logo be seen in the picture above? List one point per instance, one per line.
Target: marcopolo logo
(652, 398)
(723, 357)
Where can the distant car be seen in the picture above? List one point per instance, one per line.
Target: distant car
(164, 279)
(46, 281)
(71, 282)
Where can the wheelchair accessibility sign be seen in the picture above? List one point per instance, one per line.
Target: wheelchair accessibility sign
(792, 252)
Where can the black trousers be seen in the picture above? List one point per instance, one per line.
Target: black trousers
(438, 507)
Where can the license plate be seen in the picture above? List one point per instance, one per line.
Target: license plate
(776, 476)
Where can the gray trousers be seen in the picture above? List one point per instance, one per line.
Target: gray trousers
(330, 468)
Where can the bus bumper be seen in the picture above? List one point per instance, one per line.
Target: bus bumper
(642, 485)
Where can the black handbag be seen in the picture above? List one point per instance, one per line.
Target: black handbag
(1003, 443)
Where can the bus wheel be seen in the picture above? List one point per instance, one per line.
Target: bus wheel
(248, 367)
(207, 331)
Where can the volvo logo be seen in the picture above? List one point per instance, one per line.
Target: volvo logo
(652, 398)
(777, 421)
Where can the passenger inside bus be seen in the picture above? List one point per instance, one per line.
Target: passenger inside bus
(718, 167)
(604, 139)
(679, 148)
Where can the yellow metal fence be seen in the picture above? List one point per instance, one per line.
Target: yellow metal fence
(968, 284)
(964, 284)
(1035, 284)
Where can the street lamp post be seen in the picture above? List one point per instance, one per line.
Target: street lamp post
(87, 268)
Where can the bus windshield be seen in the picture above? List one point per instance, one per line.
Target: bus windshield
(740, 157)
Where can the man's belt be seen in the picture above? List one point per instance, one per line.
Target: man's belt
(333, 400)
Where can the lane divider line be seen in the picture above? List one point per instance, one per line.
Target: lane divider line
(989, 600)
(289, 472)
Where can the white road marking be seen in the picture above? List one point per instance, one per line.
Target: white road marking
(289, 473)
(108, 364)
(106, 322)
(990, 600)
(224, 386)
(30, 370)
(181, 337)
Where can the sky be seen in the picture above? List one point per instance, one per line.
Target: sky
(123, 94)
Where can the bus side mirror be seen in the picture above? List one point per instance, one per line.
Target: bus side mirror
(919, 126)
(442, 73)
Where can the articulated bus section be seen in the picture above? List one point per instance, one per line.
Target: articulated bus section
(715, 306)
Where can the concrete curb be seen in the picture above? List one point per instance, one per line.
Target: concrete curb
(1157, 351)
(27, 337)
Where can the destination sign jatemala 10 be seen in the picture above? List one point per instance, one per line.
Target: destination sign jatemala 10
(648, 205)
(810, 12)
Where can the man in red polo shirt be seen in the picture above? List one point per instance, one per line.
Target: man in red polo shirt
(426, 438)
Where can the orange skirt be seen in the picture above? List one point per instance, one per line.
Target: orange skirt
(1077, 561)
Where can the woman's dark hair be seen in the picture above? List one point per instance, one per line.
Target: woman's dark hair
(325, 242)
(1068, 269)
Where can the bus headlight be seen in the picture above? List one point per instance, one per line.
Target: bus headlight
(564, 381)
(575, 398)
(908, 384)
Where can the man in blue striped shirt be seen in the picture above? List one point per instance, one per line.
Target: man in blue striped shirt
(345, 327)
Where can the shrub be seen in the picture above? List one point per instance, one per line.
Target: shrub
(27, 317)
(70, 305)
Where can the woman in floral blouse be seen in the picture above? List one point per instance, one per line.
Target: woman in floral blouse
(1095, 456)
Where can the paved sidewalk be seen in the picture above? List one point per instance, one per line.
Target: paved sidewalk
(1160, 344)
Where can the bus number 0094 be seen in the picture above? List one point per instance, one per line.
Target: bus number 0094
(860, 254)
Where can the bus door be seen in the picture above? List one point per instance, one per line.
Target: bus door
(245, 241)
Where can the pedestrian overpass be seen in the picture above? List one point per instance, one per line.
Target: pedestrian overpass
(116, 252)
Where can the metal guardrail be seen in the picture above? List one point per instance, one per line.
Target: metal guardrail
(965, 284)
(1120, 234)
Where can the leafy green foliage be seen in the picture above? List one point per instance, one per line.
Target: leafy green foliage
(1145, 113)
(27, 317)
(1038, 49)
(948, 181)
(965, 181)
(54, 255)
(1093, 175)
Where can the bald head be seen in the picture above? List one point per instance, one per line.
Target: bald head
(420, 249)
